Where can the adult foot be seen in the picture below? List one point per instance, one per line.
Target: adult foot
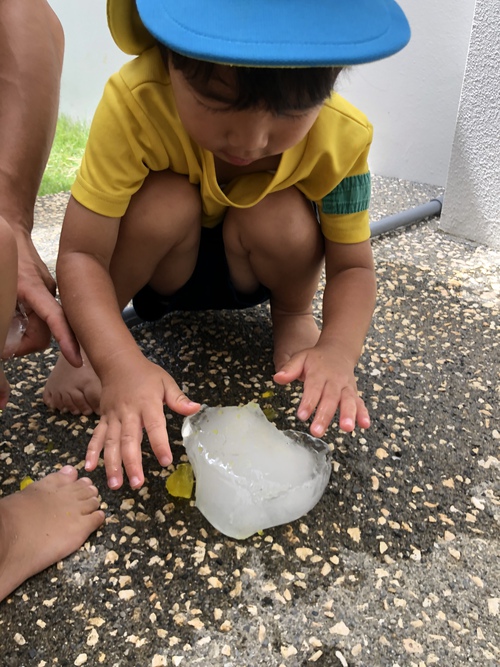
(70, 389)
(44, 523)
(292, 333)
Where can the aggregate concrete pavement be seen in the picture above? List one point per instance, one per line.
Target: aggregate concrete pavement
(398, 563)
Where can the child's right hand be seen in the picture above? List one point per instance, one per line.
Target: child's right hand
(133, 396)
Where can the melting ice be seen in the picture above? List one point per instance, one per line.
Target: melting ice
(249, 475)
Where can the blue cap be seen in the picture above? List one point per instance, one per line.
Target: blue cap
(273, 33)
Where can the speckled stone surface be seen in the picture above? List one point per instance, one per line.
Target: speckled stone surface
(398, 563)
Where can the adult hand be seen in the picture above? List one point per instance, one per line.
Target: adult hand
(36, 291)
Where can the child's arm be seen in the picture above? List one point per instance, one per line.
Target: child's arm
(327, 370)
(134, 390)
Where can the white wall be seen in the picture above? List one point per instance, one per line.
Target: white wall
(91, 55)
(472, 203)
(412, 98)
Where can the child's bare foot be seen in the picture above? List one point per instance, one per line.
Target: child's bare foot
(44, 523)
(292, 333)
(70, 389)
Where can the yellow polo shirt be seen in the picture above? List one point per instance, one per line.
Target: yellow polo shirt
(136, 129)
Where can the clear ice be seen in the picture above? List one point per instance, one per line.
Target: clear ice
(249, 475)
(16, 332)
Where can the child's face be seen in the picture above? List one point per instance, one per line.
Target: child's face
(239, 137)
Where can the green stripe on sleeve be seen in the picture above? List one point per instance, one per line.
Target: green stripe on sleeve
(352, 195)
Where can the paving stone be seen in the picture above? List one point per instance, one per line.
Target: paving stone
(397, 564)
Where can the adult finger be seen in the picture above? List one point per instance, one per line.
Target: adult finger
(40, 302)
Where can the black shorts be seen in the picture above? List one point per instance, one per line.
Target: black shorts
(209, 288)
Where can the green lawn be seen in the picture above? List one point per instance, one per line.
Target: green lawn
(64, 160)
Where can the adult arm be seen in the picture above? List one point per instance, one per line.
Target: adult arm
(31, 55)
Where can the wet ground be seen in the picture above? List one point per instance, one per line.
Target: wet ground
(398, 563)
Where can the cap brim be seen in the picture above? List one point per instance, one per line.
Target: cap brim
(276, 33)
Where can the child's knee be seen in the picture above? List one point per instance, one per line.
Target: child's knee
(283, 220)
(182, 197)
(167, 203)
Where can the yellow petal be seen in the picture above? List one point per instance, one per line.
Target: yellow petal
(270, 413)
(26, 481)
(180, 482)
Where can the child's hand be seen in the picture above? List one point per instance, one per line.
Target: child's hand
(329, 384)
(133, 396)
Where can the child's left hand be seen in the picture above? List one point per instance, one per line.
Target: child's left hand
(329, 383)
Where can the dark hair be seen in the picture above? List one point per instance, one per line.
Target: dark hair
(276, 89)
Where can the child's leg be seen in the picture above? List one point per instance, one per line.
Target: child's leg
(44, 523)
(157, 245)
(279, 244)
(8, 292)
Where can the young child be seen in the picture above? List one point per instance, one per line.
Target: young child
(51, 518)
(221, 171)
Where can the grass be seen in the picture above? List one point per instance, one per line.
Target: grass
(66, 154)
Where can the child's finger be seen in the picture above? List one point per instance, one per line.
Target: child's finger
(309, 401)
(324, 414)
(130, 450)
(156, 427)
(292, 370)
(112, 455)
(321, 394)
(362, 416)
(96, 444)
(348, 410)
(177, 401)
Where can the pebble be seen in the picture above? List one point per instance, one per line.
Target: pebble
(340, 628)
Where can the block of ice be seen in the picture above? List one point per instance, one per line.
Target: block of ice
(249, 475)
